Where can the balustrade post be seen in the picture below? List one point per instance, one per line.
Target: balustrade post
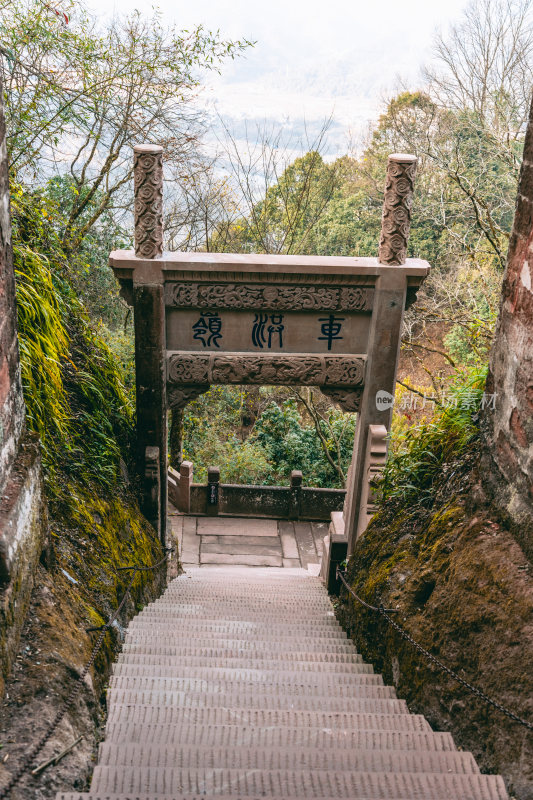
(184, 491)
(213, 490)
(296, 494)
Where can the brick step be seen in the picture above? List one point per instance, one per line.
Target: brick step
(303, 662)
(227, 614)
(254, 699)
(325, 648)
(297, 783)
(289, 758)
(122, 712)
(194, 601)
(259, 696)
(266, 635)
(236, 735)
(322, 627)
(249, 597)
(290, 576)
(272, 677)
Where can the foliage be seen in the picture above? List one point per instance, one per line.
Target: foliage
(278, 440)
(74, 395)
(213, 437)
(280, 215)
(419, 452)
(294, 444)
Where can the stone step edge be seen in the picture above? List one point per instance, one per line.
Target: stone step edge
(339, 738)
(111, 749)
(120, 714)
(474, 786)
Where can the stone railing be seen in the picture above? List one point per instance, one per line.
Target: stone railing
(279, 502)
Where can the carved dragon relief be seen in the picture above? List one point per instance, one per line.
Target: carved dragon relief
(275, 298)
(190, 374)
(274, 369)
(347, 399)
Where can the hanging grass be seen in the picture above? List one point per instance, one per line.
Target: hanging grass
(420, 452)
(74, 396)
(43, 343)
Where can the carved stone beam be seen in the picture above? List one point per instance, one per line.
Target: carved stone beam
(397, 203)
(273, 369)
(148, 205)
(274, 297)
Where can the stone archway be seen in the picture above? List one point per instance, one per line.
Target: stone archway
(223, 318)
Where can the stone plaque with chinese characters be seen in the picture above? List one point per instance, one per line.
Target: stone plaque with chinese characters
(259, 331)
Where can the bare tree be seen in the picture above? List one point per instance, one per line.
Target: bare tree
(484, 64)
(282, 189)
(78, 99)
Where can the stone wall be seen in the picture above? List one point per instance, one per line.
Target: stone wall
(508, 427)
(22, 514)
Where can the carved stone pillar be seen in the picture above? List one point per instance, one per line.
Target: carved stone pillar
(397, 203)
(152, 486)
(385, 335)
(184, 492)
(296, 494)
(148, 205)
(376, 456)
(149, 316)
(213, 491)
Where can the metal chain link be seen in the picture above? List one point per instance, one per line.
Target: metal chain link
(407, 636)
(34, 751)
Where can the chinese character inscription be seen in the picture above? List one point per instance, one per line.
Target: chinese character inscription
(267, 331)
(330, 329)
(208, 329)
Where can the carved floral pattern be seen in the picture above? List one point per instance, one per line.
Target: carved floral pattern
(279, 369)
(148, 204)
(286, 298)
(396, 220)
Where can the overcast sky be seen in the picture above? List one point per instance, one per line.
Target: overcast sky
(312, 58)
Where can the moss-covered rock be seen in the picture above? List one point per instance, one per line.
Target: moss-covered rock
(93, 536)
(463, 589)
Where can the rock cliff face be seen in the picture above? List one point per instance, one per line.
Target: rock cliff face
(22, 516)
(508, 427)
(463, 589)
(11, 400)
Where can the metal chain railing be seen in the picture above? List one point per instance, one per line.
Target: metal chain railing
(34, 751)
(408, 638)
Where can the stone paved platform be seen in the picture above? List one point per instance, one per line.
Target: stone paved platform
(208, 541)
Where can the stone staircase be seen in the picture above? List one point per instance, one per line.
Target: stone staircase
(239, 683)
